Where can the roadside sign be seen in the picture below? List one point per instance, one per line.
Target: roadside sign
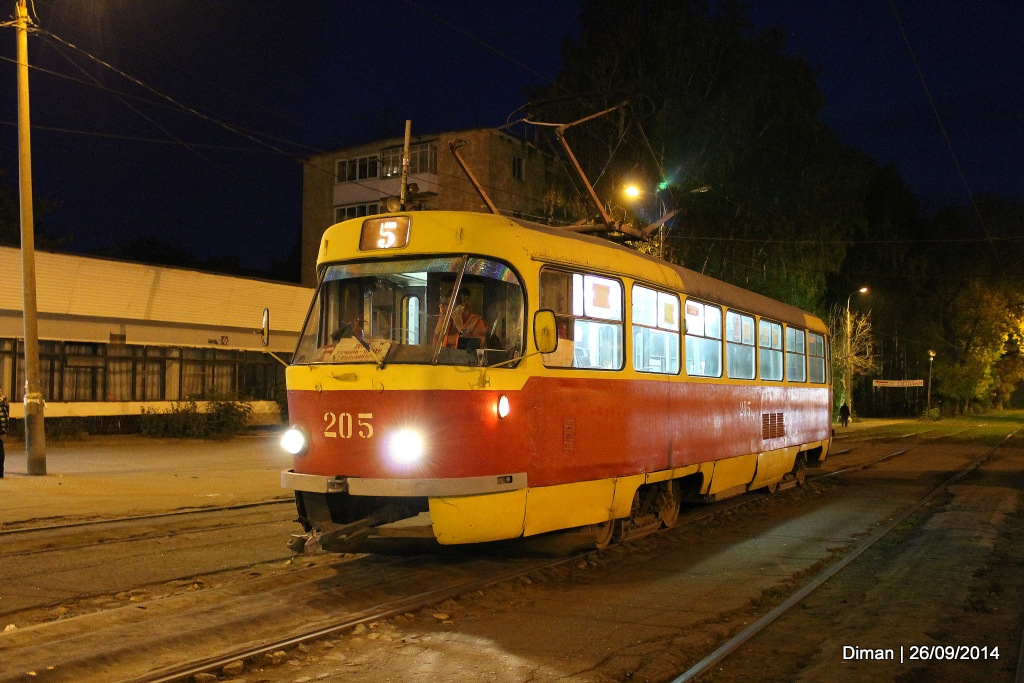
(898, 383)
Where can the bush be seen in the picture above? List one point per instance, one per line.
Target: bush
(227, 418)
(66, 428)
(224, 419)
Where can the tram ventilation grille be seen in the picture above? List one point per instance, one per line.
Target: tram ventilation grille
(772, 426)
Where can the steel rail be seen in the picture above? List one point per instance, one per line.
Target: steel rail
(188, 670)
(139, 538)
(1019, 676)
(734, 643)
(136, 518)
(854, 468)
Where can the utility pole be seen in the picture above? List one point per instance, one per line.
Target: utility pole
(404, 193)
(35, 431)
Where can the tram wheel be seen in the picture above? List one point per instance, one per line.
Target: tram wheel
(603, 533)
(800, 469)
(671, 497)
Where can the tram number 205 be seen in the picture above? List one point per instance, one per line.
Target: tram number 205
(345, 426)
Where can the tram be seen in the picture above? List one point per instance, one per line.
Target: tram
(468, 377)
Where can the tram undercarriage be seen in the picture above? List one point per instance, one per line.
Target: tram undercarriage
(340, 522)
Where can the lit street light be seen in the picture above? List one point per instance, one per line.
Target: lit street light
(931, 358)
(848, 375)
(633, 192)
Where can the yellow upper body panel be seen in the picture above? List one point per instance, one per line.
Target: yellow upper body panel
(527, 246)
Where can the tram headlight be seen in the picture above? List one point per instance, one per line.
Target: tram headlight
(405, 447)
(294, 441)
(503, 406)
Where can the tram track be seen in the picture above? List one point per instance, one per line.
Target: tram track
(321, 579)
(139, 537)
(300, 585)
(140, 518)
(188, 670)
(70, 567)
(249, 656)
(124, 530)
(731, 646)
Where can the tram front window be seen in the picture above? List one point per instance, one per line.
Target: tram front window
(458, 310)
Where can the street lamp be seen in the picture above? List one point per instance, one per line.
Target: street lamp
(848, 375)
(632, 193)
(931, 358)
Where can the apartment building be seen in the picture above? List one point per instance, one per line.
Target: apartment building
(520, 179)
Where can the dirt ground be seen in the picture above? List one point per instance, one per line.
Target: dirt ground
(948, 576)
(943, 593)
(649, 609)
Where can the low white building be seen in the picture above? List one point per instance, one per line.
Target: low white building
(117, 336)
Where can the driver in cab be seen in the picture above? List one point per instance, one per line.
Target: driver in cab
(464, 325)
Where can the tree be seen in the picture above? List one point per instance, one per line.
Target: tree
(1009, 372)
(858, 358)
(978, 325)
(712, 105)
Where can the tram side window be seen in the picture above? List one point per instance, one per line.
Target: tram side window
(703, 340)
(588, 311)
(770, 343)
(739, 346)
(816, 353)
(796, 360)
(655, 331)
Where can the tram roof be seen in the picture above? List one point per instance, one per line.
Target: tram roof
(692, 283)
(572, 249)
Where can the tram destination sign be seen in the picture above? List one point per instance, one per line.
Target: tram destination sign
(897, 383)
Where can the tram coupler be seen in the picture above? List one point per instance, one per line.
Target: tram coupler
(335, 537)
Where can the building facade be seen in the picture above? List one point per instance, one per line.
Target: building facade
(116, 337)
(520, 179)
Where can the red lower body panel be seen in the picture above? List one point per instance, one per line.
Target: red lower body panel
(558, 430)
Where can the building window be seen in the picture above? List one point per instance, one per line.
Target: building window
(422, 159)
(349, 170)
(344, 213)
(78, 372)
(517, 168)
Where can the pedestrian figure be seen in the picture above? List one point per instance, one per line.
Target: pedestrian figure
(844, 414)
(5, 414)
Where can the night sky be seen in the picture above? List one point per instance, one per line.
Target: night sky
(204, 146)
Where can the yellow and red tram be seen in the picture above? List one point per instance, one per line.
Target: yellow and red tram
(598, 386)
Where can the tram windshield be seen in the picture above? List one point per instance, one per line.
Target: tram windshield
(456, 310)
